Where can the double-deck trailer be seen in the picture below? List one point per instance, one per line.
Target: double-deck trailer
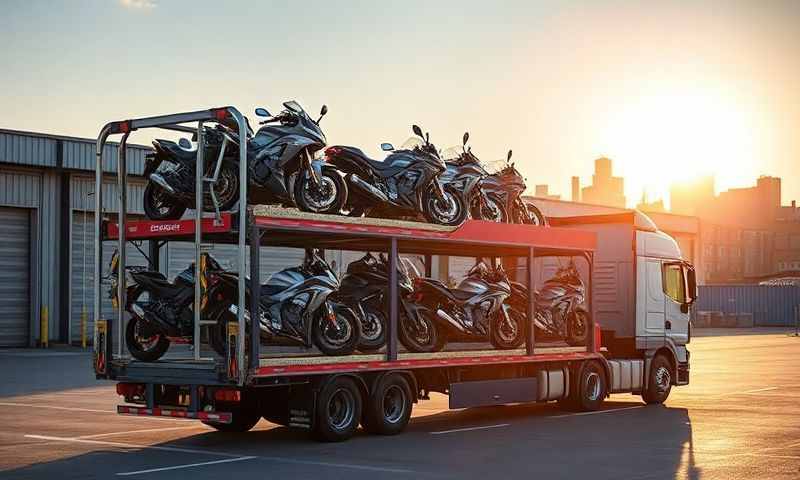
(331, 396)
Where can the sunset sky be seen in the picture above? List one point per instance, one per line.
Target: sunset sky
(668, 90)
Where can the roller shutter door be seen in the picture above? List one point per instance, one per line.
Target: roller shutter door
(15, 277)
(82, 273)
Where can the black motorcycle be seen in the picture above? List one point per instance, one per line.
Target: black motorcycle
(560, 311)
(404, 185)
(162, 312)
(296, 308)
(465, 174)
(506, 185)
(279, 153)
(472, 312)
(365, 289)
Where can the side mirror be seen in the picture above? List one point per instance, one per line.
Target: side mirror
(417, 131)
(185, 143)
(262, 112)
(465, 138)
(508, 157)
(323, 111)
(387, 147)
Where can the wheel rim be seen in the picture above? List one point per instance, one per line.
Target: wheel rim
(225, 187)
(336, 331)
(507, 331)
(578, 325)
(373, 326)
(145, 343)
(394, 404)
(491, 211)
(419, 332)
(160, 201)
(663, 379)
(445, 209)
(322, 197)
(341, 408)
(593, 386)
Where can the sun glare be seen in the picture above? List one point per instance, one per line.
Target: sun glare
(676, 137)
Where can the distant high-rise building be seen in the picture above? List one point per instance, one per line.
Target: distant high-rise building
(684, 197)
(576, 189)
(543, 191)
(605, 189)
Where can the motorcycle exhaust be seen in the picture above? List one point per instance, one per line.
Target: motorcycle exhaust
(367, 187)
(444, 316)
(161, 182)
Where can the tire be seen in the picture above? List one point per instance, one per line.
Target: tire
(589, 390)
(226, 189)
(159, 206)
(338, 410)
(499, 334)
(389, 405)
(156, 347)
(244, 418)
(452, 214)
(330, 198)
(659, 381)
(578, 328)
(338, 341)
(485, 213)
(373, 329)
(429, 341)
(535, 216)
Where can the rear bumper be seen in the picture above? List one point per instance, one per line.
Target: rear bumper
(218, 417)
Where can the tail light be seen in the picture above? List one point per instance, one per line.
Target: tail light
(332, 151)
(227, 395)
(131, 390)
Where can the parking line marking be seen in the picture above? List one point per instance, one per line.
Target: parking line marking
(765, 389)
(596, 412)
(146, 430)
(296, 461)
(188, 465)
(469, 429)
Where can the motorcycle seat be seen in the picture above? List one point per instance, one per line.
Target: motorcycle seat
(158, 283)
(383, 167)
(178, 151)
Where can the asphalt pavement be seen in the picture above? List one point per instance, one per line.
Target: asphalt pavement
(738, 419)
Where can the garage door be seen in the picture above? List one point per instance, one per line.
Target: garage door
(15, 271)
(82, 274)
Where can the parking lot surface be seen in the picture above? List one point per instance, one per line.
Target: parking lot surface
(739, 419)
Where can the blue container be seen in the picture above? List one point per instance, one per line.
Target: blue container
(771, 305)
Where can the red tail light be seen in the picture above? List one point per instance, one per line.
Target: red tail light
(227, 395)
(130, 390)
(332, 151)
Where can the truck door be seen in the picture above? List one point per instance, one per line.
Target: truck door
(653, 298)
(677, 308)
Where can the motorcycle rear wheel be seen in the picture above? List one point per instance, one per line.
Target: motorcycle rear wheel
(159, 206)
(154, 348)
(336, 339)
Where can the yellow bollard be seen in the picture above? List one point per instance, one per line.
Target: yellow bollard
(83, 327)
(44, 334)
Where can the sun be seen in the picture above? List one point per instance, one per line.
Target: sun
(678, 136)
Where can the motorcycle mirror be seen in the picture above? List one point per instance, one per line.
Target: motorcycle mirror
(387, 147)
(509, 156)
(465, 138)
(185, 143)
(262, 112)
(417, 131)
(322, 112)
(427, 137)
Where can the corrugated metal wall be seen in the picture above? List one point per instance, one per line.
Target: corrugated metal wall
(771, 305)
(81, 156)
(82, 186)
(27, 150)
(19, 188)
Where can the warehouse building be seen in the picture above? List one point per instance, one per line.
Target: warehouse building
(47, 235)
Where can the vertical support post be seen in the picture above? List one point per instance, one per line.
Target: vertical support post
(255, 288)
(242, 233)
(122, 221)
(391, 341)
(530, 337)
(199, 172)
(44, 328)
(154, 252)
(592, 337)
(98, 234)
(428, 265)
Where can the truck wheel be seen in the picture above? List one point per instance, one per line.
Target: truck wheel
(659, 383)
(388, 407)
(244, 418)
(338, 410)
(589, 389)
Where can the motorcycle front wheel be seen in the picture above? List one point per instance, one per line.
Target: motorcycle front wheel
(507, 335)
(336, 333)
(158, 205)
(577, 328)
(420, 335)
(449, 210)
(373, 329)
(329, 197)
(492, 210)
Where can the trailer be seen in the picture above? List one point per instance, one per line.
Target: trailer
(331, 396)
